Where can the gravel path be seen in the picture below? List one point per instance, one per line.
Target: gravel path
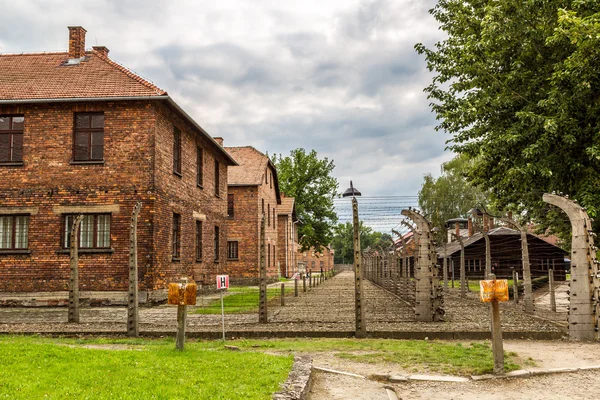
(557, 354)
(327, 307)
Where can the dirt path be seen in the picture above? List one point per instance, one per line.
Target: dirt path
(579, 385)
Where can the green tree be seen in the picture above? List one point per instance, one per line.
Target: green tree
(450, 195)
(517, 85)
(308, 179)
(343, 241)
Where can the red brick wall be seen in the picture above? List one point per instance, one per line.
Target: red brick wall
(286, 241)
(138, 151)
(325, 256)
(48, 179)
(245, 227)
(181, 194)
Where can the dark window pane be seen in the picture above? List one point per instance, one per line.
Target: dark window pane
(97, 145)
(17, 147)
(17, 123)
(81, 146)
(4, 123)
(4, 147)
(97, 120)
(82, 120)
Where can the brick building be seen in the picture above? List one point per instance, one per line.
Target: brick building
(316, 260)
(287, 237)
(81, 134)
(252, 192)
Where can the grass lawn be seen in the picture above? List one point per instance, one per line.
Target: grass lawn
(36, 368)
(413, 355)
(241, 299)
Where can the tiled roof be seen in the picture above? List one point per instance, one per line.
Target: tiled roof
(287, 206)
(252, 165)
(49, 76)
(454, 246)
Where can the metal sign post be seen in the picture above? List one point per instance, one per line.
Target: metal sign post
(222, 285)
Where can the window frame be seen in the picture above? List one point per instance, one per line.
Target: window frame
(89, 132)
(199, 167)
(199, 241)
(233, 250)
(176, 237)
(216, 243)
(11, 133)
(177, 150)
(230, 205)
(217, 178)
(66, 232)
(13, 232)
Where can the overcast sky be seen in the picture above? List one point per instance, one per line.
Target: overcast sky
(337, 76)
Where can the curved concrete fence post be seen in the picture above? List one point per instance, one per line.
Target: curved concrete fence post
(428, 296)
(584, 311)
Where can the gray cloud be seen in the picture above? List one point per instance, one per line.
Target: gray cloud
(339, 76)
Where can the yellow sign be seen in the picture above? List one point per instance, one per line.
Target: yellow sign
(493, 290)
(182, 294)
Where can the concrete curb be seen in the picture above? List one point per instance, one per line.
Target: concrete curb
(463, 335)
(522, 373)
(299, 381)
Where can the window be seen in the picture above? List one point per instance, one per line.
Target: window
(176, 151)
(14, 231)
(230, 205)
(88, 143)
(216, 244)
(11, 139)
(232, 250)
(217, 180)
(271, 181)
(268, 214)
(198, 240)
(267, 176)
(176, 236)
(263, 206)
(268, 255)
(274, 217)
(199, 166)
(94, 231)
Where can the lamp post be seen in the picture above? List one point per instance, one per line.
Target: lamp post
(360, 330)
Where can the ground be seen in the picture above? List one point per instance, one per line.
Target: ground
(556, 354)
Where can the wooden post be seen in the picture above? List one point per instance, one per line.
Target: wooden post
(283, 294)
(497, 347)
(462, 266)
(133, 304)
(262, 312)
(552, 293)
(488, 254)
(74, 278)
(310, 281)
(303, 283)
(516, 286)
(452, 265)
(360, 328)
(445, 266)
(295, 287)
(527, 289)
(181, 322)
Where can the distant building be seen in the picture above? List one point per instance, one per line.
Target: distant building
(287, 238)
(253, 194)
(316, 260)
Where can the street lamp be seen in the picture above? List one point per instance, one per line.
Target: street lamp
(360, 330)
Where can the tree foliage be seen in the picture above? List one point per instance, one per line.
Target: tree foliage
(517, 85)
(343, 241)
(450, 195)
(308, 179)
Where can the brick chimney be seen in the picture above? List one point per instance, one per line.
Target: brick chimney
(103, 50)
(470, 226)
(219, 140)
(76, 42)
